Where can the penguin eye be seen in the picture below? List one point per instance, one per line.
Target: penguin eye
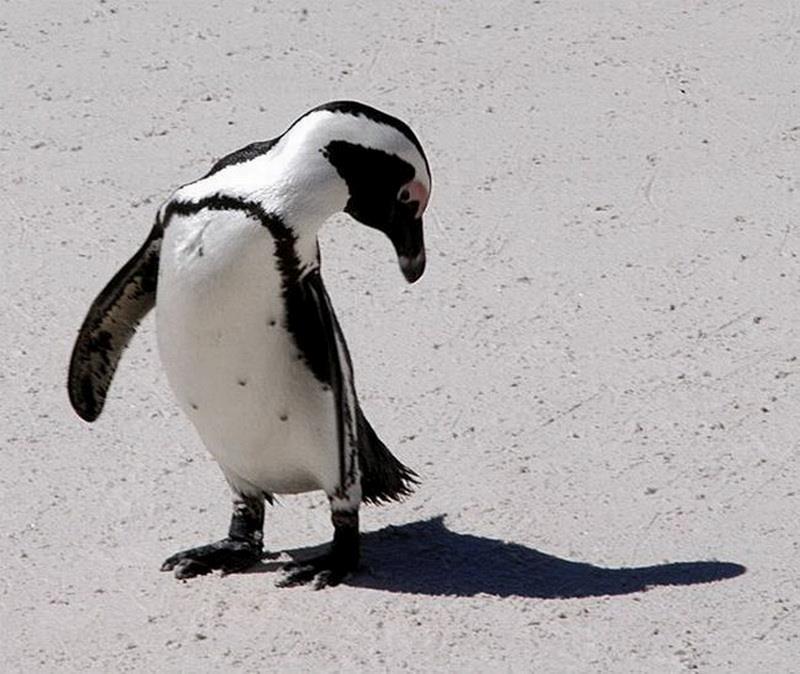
(404, 196)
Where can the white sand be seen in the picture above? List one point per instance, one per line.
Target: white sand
(596, 377)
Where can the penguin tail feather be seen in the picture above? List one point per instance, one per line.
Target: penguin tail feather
(383, 477)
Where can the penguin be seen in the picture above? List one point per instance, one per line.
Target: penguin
(246, 331)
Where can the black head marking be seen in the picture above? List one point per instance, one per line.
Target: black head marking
(375, 181)
(373, 178)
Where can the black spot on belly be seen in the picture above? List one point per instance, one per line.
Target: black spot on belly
(194, 405)
(284, 417)
(242, 382)
(272, 322)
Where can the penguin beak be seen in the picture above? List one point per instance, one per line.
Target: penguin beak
(410, 248)
(412, 267)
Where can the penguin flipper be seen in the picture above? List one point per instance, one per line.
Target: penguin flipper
(342, 385)
(383, 477)
(109, 326)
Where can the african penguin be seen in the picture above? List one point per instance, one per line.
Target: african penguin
(246, 331)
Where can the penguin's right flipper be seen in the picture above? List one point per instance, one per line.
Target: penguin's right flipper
(109, 326)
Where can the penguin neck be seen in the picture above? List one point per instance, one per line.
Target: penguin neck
(305, 192)
(292, 181)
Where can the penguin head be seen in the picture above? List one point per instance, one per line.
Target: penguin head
(387, 176)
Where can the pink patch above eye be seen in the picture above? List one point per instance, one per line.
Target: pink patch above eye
(418, 193)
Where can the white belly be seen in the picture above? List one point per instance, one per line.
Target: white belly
(233, 366)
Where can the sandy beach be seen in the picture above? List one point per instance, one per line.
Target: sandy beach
(596, 378)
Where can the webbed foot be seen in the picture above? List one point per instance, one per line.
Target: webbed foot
(324, 571)
(227, 555)
(332, 568)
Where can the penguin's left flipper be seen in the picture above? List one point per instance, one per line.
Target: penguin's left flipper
(109, 326)
(331, 568)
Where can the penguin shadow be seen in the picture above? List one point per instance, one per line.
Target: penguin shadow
(425, 557)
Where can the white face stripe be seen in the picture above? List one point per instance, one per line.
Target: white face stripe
(323, 125)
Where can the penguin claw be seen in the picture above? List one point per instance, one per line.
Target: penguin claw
(325, 571)
(227, 555)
